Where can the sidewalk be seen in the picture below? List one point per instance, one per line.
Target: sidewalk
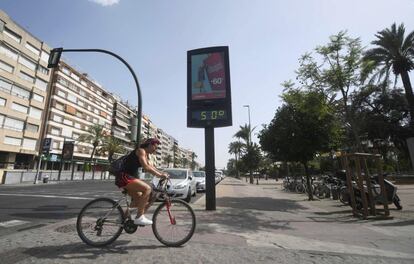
(268, 216)
(252, 223)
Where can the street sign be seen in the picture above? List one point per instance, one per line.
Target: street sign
(53, 157)
(47, 145)
(67, 151)
(208, 88)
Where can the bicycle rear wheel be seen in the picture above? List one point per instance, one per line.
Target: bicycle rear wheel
(100, 222)
(173, 225)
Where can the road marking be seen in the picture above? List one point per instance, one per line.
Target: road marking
(46, 196)
(13, 223)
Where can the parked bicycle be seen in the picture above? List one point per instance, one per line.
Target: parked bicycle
(101, 221)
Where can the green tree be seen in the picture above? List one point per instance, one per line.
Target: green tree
(193, 162)
(112, 145)
(236, 148)
(394, 52)
(244, 134)
(336, 71)
(302, 126)
(95, 136)
(168, 159)
(174, 149)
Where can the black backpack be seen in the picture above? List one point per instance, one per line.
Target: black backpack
(118, 166)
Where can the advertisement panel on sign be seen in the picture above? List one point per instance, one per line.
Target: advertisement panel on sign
(208, 79)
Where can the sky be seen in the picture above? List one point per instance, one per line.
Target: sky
(265, 40)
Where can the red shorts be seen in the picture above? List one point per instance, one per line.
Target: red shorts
(123, 180)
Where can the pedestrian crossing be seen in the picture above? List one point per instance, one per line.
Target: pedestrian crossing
(13, 223)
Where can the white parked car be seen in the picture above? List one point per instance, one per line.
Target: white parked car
(200, 177)
(183, 183)
(218, 176)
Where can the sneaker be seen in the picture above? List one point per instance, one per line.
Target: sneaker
(142, 220)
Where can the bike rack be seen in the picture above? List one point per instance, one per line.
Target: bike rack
(351, 162)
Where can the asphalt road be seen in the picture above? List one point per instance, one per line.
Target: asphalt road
(24, 207)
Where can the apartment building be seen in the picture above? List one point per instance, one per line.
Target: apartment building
(76, 103)
(24, 79)
(124, 124)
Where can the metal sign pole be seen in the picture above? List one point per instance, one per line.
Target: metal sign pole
(210, 169)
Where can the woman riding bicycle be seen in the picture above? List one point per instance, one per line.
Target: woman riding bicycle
(136, 188)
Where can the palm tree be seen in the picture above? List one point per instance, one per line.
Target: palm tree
(168, 159)
(236, 148)
(112, 145)
(245, 134)
(95, 136)
(174, 149)
(396, 53)
(193, 163)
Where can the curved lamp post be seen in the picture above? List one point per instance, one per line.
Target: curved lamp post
(53, 62)
(54, 59)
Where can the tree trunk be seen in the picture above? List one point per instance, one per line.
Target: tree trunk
(92, 165)
(251, 177)
(308, 181)
(237, 170)
(409, 94)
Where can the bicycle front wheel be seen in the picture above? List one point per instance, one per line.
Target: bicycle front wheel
(100, 222)
(173, 223)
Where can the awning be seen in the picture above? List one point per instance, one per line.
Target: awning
(121, 123)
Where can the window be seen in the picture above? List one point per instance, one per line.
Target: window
(29, 143)
(2, 103)
(55, 131)
(20, 92)
(44, 56)
(6, 67)
(8, 52)
(12, 141)
(77, 125)
(13, 124)
(72, 98)
(2, 117)
(38, 97)
(66, 132)
(12, 35)
(74, 76)
(57, 118)
(35, 112)
(68, 122)
(56, 144)
(26, 77)
(81, 103)
(66, 70)
(41, 85)
(32, 48)
(61, 93)
(32, 128)
(5, 86)
(19, 107)
(82, 93)
(26, 62)
(75, 135)
(60, 106)
(42, 69)
(83, 82)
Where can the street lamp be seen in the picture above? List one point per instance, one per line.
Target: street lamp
(54, 59)
(250, 128)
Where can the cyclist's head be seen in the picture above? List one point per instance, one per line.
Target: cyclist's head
(150, 141)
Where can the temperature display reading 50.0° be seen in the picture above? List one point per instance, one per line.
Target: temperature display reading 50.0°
(209, 115)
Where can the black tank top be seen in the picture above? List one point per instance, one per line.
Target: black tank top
(132, 164)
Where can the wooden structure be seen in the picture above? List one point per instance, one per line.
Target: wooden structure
(356, 168)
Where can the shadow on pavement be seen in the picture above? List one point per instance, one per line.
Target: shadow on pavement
(259, 203)
(401, 223)
(82, 251)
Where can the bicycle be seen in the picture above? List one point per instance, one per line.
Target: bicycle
(101, 221)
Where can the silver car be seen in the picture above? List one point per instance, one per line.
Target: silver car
(200, 177)
(183, 183)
